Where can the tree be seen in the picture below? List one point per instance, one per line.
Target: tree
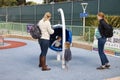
(31, 3)
(4, 3)
(21, 2)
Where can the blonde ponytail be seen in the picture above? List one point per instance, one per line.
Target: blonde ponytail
(47, 16)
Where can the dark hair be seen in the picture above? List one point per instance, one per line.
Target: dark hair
(58, 37)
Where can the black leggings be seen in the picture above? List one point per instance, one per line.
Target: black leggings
(44, 44)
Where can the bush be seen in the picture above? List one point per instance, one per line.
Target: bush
(93, 22)
(112, 20)
(89, 34)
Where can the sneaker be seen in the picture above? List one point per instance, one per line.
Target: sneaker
(107, 66)
(101, 67)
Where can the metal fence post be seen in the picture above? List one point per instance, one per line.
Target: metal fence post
(71, 15)
(89, 34)
(20, 12)
(98, 5)
(53, 13)
(6, 16)
(35, 13)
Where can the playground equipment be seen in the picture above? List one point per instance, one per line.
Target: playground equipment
(66, 35)
(58, 32)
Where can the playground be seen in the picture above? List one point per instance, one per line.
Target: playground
(21, 63)
(19, 52)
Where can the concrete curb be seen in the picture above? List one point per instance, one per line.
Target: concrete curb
(74, 44)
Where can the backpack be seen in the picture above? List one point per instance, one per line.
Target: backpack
(97, 33)
(35, 32)
(109, 31)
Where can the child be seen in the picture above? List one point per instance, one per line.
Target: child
(67, 55)
(57, 42)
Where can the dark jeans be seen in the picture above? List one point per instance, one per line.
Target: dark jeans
(101, 43)
(44, 44)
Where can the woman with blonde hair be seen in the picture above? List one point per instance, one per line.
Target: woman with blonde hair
(103, 25)
(45, 27)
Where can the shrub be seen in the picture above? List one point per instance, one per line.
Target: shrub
(93, 22)
(112, 20)
(89, 34)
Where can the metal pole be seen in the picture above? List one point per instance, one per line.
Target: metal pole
(20, 8)
(6, 15)
(83, 23)
(71, 16)
(6, 18)
(84, 6)
(35, 13)
(64, 36)
(98, 6)
(71, 13)
(52, 13)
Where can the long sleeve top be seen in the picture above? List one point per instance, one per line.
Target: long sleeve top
(45, 28)
(103, 26)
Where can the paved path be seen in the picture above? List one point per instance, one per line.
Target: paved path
(22, 64)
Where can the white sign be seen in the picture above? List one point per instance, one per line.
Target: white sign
(112, 45)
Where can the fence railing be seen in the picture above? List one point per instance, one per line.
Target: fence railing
(21, 29)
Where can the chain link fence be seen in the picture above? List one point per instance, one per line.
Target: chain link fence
(13, 20)
(12, 28)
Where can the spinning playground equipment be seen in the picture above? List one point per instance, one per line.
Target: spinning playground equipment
(65, 34)
(58, 32)
(53, 37)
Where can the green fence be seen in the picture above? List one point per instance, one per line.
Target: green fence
(13, 28)
(21, 29)
(72, 10)
(13, 20)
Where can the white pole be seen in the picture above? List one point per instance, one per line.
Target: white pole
(83, 23)
(84, 6)
(64, 36)
(6, 15)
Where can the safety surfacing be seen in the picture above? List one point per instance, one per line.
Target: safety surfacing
(11, 44)
(21, 63)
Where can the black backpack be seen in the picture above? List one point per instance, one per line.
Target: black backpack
(109, 31)
(35, 32)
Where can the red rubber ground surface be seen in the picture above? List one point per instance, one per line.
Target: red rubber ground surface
(12, 44)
